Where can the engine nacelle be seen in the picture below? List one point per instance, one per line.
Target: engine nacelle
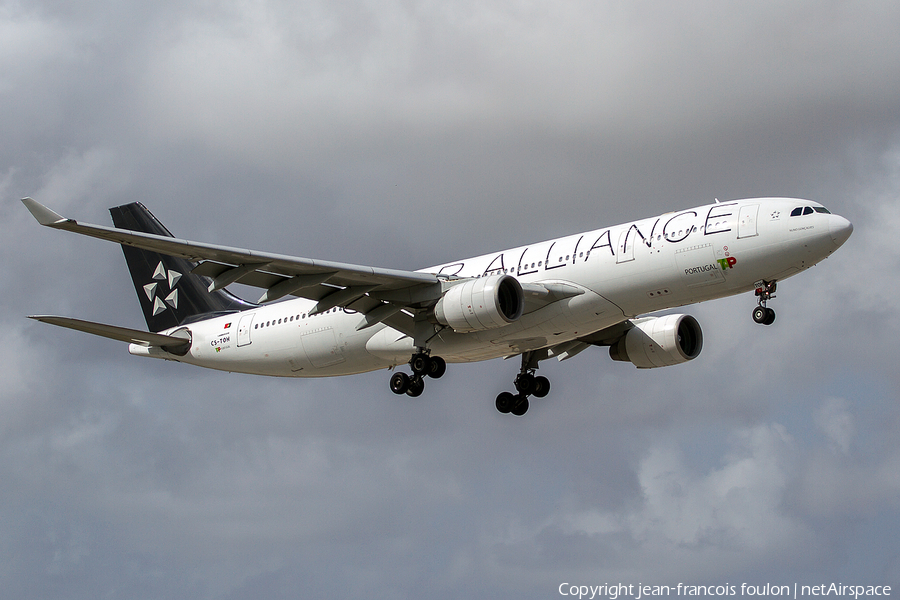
(479, 304)
(659, 342)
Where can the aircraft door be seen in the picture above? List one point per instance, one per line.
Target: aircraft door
(244, 327)
(747, 221)
(625, 249)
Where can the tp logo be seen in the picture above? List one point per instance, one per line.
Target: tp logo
(727, 263)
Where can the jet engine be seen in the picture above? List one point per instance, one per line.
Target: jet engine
(479, 304)
(659, 342)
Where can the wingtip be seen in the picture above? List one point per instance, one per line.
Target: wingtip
(43, 318)
(44, 215)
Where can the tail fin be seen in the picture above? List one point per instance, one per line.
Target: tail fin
(169, 293)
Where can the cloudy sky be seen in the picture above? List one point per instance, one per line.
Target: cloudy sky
(407, 133)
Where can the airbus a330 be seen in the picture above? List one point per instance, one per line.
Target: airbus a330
(550, 299)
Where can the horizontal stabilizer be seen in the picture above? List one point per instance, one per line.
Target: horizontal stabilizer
(170, 343)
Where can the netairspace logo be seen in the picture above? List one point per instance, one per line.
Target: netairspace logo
(640, 591)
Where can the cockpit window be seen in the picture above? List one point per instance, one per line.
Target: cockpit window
(808, 210)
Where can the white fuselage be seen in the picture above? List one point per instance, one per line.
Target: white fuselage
(623, 271)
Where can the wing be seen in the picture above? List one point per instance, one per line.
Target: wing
(381, 295)
(365, 289)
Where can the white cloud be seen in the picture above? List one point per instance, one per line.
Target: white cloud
(6, 181)
(27, 41)
(704, 522)
(835, 420)
(268, 79)
(736, 505)
(92, 176)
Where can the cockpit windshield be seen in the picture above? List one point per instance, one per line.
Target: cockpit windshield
(808, 210)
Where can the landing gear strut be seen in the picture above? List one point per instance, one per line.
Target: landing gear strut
(421, 364)
(527, 384)
(762, 314)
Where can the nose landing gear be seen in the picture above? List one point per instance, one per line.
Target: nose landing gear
(762, 314)
(422, 364)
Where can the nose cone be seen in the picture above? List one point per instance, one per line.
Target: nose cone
(840, 229)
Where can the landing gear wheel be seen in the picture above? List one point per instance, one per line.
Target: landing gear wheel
(420, 364)
(505, 402)
(525, 384)
(760, 314)
(437, 367)
(400, 383)
(763, 315)
(521, 405)
(416, 387)
(541, 386)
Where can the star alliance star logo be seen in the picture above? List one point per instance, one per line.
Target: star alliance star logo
(162, 275)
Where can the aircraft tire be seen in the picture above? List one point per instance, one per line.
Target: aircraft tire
(420, 364)
(525, 384)
(416, 387)
(505, 402)
(521, 406)
(760, 314)
(541, 386)
(437, 367)
(399, 383)
(770, 317)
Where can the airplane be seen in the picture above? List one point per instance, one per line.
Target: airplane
(552, 299)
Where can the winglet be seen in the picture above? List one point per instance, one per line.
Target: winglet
(44, 215)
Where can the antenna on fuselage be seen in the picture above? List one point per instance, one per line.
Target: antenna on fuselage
(717, 201)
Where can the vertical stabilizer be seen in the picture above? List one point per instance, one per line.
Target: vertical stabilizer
(170, 295)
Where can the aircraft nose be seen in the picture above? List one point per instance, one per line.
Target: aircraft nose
(840, 229)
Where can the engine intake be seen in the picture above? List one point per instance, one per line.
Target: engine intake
(659, 342)
(479, 304)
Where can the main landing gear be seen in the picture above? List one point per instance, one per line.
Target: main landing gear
(527, 384)
(421, 364)
(762, 314)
